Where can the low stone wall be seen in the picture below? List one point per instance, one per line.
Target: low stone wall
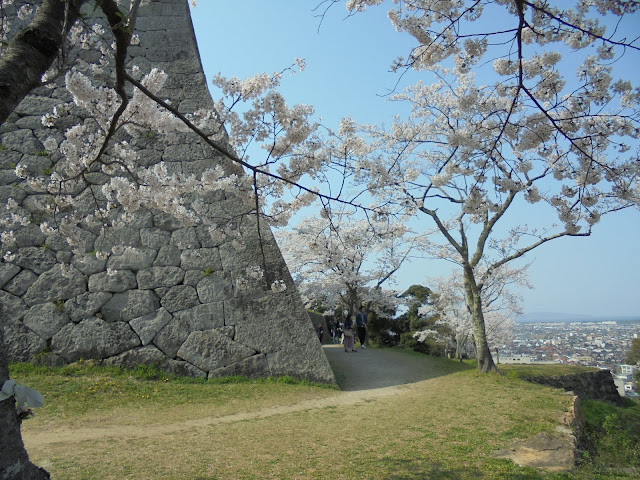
(596, 385)
(555, 452)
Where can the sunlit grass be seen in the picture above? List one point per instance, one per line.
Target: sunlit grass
(83, 393)
(446, 427)
(526, 371)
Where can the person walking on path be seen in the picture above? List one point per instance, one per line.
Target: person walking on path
(361, 321)
(337, 332)
(349, 336)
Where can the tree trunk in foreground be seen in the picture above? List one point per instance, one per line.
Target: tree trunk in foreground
(31, 52)
(14, 460)
(25, 59)
(474, 304)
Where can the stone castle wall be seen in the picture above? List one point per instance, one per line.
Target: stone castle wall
(179, 298)
(597, 385)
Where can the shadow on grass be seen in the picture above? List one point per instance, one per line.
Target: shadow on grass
(492, 470)
(384, 367)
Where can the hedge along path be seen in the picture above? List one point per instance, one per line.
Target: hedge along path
(369, 374)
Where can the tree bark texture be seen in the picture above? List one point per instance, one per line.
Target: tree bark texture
(474, 303)
(33, 50)
(25, 59)
(14, 460)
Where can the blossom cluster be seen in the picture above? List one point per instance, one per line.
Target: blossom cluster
(343, 261)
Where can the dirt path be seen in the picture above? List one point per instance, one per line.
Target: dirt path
(369, 374)
(376, 369)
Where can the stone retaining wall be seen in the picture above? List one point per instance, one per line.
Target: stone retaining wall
(178, 298)
(597, 385)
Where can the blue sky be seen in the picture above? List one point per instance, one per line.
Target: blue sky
(348, 74)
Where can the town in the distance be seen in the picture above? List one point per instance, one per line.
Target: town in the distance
(588, 342)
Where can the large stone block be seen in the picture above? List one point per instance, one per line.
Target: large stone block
(7, 272)
(20, 343)
(46, 319)
(36, 259)
(19, 284)
(154, 238)
(118, 237)
(147, 355)
(254, 366)
(194, 277)
(133, 259)
(86, 305)
(148, 326)
(34, 164)
(180, 367)
(156, 277)
(84, 241)
(30, 236)
(136, 220)
(88, 264)
(203, 317)
(128, 305)
(56, 284)
(179, 298)
(35, 104)
(168, 255)
(23, 141)
(206, 259)
(185, 238)
(11, 307)
(118, 281)
(171, 337)
(209, 350)
(93, 338)
(215, 287)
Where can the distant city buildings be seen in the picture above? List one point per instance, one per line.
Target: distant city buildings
(594, 344)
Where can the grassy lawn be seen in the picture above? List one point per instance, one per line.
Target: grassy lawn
(526, 371)
(109, 424)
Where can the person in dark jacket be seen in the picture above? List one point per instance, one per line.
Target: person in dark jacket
(361, 321)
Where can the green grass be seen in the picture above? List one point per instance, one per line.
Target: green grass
(613, 439)
(84, 389)
(528, 371)
(144, 424)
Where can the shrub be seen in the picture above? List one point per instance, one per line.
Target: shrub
(382, 331)
(613, 433)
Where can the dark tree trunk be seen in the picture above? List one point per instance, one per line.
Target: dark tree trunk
(25, 59)
(474, 304)
(14, 460)
(32, 51)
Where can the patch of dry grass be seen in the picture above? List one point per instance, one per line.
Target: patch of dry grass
(443, 428)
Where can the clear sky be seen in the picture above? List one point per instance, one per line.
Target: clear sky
(348, 74)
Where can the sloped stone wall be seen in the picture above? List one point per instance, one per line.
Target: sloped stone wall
(178, 298)
(597, 385)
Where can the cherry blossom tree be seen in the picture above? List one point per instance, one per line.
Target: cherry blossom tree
(339, 261)
(122, 101)
(527, 112)
(477, 149)
(501, 304)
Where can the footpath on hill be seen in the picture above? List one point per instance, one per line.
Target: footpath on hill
(369, 369)
(365, 375)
